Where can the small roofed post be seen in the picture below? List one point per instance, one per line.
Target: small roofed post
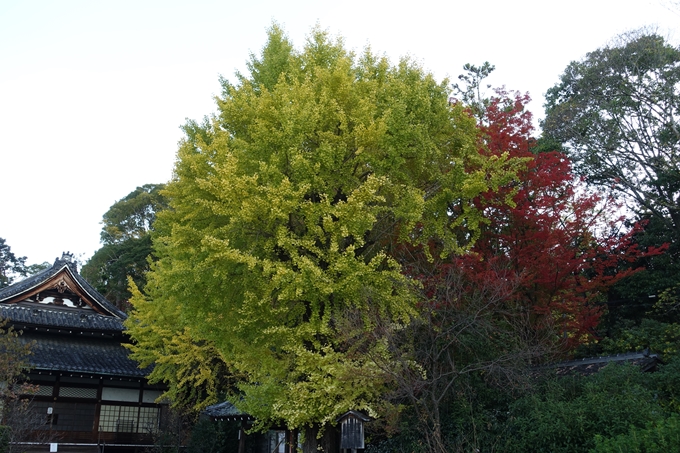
(352, 430)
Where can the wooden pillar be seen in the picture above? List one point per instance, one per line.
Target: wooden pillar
(242, 438)
(97, 411)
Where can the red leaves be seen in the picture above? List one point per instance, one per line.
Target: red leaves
(559, 241)
(559, 245)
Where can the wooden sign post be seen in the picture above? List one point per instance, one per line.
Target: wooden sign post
(352, 430)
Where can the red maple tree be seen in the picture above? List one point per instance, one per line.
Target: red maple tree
(559, 246)
(562, 245)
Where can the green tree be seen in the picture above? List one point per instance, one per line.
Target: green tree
(470, 91)
(126, 244)
(285, 209)
(133, 216)
(12, 266)
(635, 296)
(618, 113)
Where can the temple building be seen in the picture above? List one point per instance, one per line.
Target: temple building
(91, 395)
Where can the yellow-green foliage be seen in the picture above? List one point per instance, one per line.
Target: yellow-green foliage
(193, 368)
(286, 208)
(659, 337)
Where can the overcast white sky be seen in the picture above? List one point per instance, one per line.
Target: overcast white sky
(92, 93)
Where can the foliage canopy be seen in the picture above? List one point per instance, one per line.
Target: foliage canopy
(126, 244)
(12, 266)
(617, 111)
(285, 210)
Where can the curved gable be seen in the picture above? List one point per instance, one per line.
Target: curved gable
(60, 286)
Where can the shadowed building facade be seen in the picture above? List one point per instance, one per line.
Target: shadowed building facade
(93, 396)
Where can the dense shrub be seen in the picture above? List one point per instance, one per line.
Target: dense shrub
(567, 414)
(659, 437)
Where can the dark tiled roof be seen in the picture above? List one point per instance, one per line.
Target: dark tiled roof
(356, 415)
(68, 353)
(58, 266)
(34, 314)
(225, 411)
(644, 359)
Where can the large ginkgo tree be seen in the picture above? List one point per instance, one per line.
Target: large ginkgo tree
(285, 208)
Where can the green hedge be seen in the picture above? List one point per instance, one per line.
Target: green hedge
(659, 437)
(567, 414)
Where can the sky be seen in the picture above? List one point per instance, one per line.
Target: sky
(93, 93)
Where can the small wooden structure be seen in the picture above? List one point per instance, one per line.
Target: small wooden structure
(352, 430)
(282, 440)
(276, 440)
